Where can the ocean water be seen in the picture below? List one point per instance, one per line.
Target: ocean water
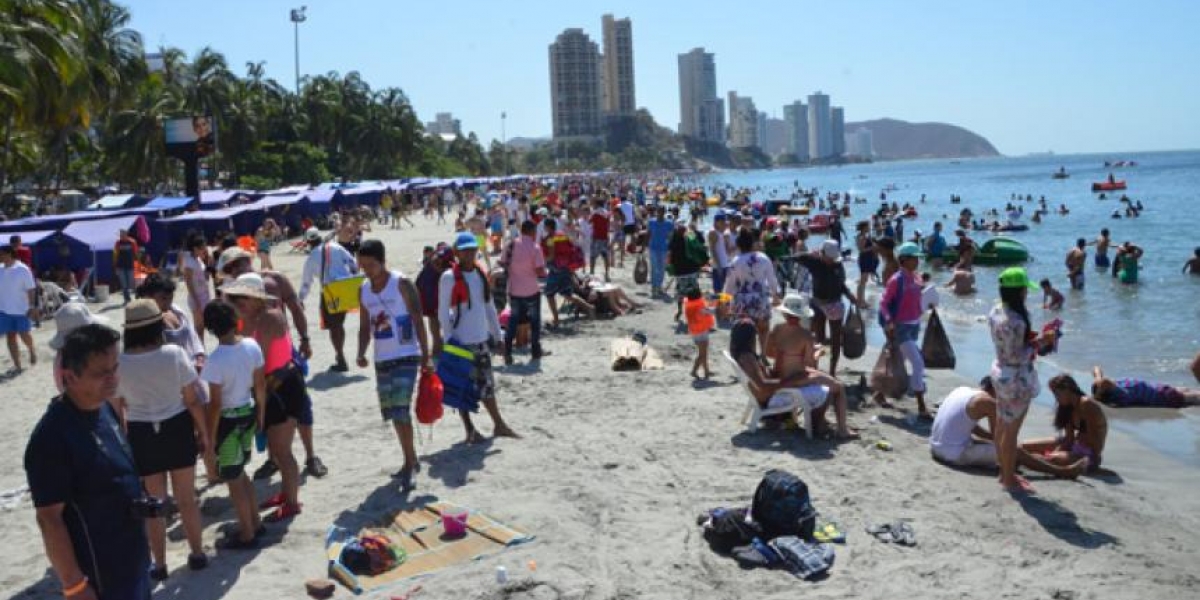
(1150, 330)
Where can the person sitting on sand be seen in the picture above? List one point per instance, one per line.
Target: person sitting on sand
(1082, 425)
(1192, 266)
(957, 439)
(1052, 299)
(1124, 393)
(596, 296)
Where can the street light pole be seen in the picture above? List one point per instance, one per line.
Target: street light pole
(504, 140)
(298, 17)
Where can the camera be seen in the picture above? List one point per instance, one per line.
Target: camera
(148, 507)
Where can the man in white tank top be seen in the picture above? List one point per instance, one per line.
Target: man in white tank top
(391, 315)
(720, 247)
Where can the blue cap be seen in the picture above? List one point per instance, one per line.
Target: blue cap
(908, 249)
(721, 216)
(466, 241)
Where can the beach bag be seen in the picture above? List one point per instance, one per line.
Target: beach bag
(695, 250)
(854, 334)
(454, 369)
(935, 347)
(429, 399)
(782, 506)
(728, 528)
(889, 376)
(641, 270)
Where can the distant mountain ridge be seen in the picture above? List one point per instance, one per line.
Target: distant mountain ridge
(900, 140)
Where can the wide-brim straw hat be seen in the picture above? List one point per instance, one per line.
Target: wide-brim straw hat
(247, 285)
(142, 312)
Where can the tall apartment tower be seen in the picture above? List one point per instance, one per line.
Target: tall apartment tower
(796, 117)
(619, 98)
(701, 111)
(743, 122)
(837, 130)
(575, 94)
(820, 127)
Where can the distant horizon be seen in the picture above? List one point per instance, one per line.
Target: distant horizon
(1026, 76)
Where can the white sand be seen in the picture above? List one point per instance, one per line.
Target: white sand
(614, 468)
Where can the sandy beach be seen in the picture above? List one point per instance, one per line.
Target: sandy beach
(614, 468)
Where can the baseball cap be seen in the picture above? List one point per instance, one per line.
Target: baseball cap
(1015, 277)
(313, 234)
(721, 216)
(466, 241)
(830, 249)
(908, 249)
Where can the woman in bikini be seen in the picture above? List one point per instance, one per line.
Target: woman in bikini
(1082, 425)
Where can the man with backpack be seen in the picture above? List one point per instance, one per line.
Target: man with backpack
(524, 264)
(391, 315)
(470, 324)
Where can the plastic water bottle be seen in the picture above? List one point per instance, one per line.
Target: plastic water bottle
(501, 574)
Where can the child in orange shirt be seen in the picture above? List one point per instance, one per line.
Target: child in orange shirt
(700, 322)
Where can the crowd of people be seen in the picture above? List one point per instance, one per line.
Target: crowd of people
(175, 403)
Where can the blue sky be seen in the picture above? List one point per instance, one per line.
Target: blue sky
(1031, 76)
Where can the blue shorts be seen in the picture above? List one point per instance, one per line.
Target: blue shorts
(14, 323)
(908, 332)
(559, 283)
(395, 381)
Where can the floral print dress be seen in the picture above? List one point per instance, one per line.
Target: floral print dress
(751, 281)
(1013, 375)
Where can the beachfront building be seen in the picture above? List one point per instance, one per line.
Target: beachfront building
(701, 111)
(837, 130)
(796, 117)
(743, 122)
(860, 143)
(820, 127)
(575, 93)
(444, 124)
(619, 99)
(774, 140)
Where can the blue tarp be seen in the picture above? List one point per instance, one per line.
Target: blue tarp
(52, 248)
(100, 236)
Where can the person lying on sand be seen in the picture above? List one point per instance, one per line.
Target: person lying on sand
(1082, 426)
(958, 439)
(1123, 393)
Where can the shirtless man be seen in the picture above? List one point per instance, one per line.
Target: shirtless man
(1102, 243)
(966, 250)
(793, 351)
(962, 281)
(1076, 259)
(235, 262)
(1192, 266)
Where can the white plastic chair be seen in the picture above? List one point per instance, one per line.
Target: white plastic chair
(755, 412)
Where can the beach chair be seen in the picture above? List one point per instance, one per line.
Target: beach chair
(755, 413)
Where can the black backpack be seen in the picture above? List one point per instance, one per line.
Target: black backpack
(782, 506)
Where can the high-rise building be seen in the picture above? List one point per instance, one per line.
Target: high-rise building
(861, 143)
(775, 137)
(444, 124)
(796, 116)
(575, 94)
(760, 130)
(701, 111)
(820, 127)
(743, 122)
(837, 130)
(619, 96)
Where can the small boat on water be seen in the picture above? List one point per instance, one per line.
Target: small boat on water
(1061, 173)
(994, 252)
(1109, 186)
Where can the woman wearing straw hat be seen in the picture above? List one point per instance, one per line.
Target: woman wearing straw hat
(1013, 373)
(287, 395)
(166, 427)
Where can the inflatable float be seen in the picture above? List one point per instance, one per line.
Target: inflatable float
(997, 251)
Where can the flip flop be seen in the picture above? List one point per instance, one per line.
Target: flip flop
(829, 532)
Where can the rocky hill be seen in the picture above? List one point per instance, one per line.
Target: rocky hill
(900, 140)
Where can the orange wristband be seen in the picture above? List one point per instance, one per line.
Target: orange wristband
(77, 588)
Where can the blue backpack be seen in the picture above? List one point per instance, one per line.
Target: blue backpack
(782, 506)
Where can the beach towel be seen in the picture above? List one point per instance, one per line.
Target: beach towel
(417, 532)
(454, 369)
(935, 347)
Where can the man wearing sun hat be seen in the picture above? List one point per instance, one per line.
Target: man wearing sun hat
(828, 288)
(793, 351)
(70, 316)
(328, 262)
(469, 322)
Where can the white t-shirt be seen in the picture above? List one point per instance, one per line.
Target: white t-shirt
(627, 211)
(951, 433)
(929, 298)
(478, 321)
(232, 367)
(15, 283)
(198, 277)
(152, 383)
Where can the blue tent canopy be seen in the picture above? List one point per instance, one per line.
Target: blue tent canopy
(170, 203)
(100, 236)
(52, 249)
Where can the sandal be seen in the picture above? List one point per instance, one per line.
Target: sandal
(197, 562)
(273, 501)
(159, 573)
(283, 513)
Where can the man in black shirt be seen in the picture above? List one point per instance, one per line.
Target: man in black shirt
(828, 287)
(90, 505)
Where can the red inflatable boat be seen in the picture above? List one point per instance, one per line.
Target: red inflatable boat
(1108, 186)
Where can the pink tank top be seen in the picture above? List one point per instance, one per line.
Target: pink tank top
(279, 354)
